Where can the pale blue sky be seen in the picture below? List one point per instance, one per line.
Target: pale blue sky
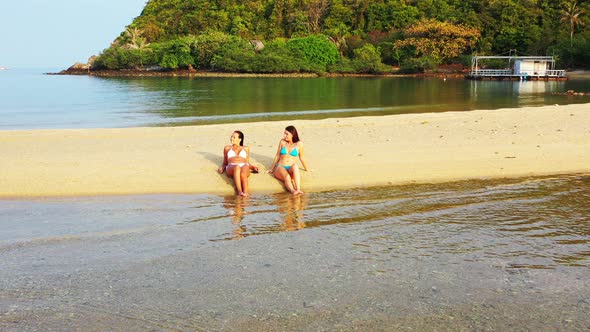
(58, 33)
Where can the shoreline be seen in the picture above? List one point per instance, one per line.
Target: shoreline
(84, 70)
(201, 73)
(342, 153)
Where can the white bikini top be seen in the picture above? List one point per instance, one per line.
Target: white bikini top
(231, 153)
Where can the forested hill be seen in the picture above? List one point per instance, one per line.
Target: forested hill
(346, 35)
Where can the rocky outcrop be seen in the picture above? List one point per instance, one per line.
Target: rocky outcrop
(79, 66)
(258, 45)
(571, 93)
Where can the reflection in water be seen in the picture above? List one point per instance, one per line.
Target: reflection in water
(288, 208)
(222, 100)
(291, 209)
(534, 223)
(523, 223)
(235, 208)
(32, 100)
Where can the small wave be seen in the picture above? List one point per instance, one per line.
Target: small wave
(232, 117)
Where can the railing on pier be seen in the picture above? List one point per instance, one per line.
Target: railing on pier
(491, 72)
(554, 72)
(510, 73)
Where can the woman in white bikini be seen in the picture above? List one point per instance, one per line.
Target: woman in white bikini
(284, 166)
(236, 162)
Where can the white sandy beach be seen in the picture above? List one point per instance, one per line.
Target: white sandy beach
(342, 153)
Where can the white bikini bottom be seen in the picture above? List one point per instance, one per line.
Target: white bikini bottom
(235, 164)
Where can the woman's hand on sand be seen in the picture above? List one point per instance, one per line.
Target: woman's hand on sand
(220, 170)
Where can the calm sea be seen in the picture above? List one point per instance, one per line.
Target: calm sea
(31, 100)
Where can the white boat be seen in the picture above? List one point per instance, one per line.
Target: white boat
(3, 68)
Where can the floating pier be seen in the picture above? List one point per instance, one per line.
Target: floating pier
(518, 68)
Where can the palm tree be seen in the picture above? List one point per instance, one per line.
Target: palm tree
(134, 38)
(571, 14)
(135, 41)
(141, 44)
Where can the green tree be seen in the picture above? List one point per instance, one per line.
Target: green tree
(116, 58)
(276, 57)
(317, 50)
(509, 24)
(571, 14)
(531, 26)
(205, 46)
(237, 55)
(133, 40)
(177, 54)
(367, 59)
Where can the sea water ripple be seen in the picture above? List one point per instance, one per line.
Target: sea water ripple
(533, 223)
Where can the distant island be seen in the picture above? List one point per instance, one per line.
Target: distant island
(323, 37)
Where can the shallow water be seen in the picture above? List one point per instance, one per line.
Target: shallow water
(470, 255)
(537, 223)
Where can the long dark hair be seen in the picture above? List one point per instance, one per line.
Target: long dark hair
(293, 131)
(241, 136)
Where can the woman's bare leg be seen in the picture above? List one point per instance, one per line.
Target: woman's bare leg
(244, 174)
(296, 175)
(282, 174)
(235, 172)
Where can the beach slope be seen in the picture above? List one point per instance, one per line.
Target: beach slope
(342, 153)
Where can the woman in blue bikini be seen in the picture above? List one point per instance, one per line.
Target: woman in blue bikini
(284, 166)
(236, 162)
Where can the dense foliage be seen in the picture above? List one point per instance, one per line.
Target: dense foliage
(347, 35)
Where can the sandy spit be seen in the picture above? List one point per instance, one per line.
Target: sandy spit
(342, 153)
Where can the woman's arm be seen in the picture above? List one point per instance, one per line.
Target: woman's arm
(224, 164)
(252, 167)
(276, 160)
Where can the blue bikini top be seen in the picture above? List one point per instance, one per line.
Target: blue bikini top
(293, 152)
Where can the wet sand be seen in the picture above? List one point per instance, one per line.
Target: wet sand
(342, 153)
